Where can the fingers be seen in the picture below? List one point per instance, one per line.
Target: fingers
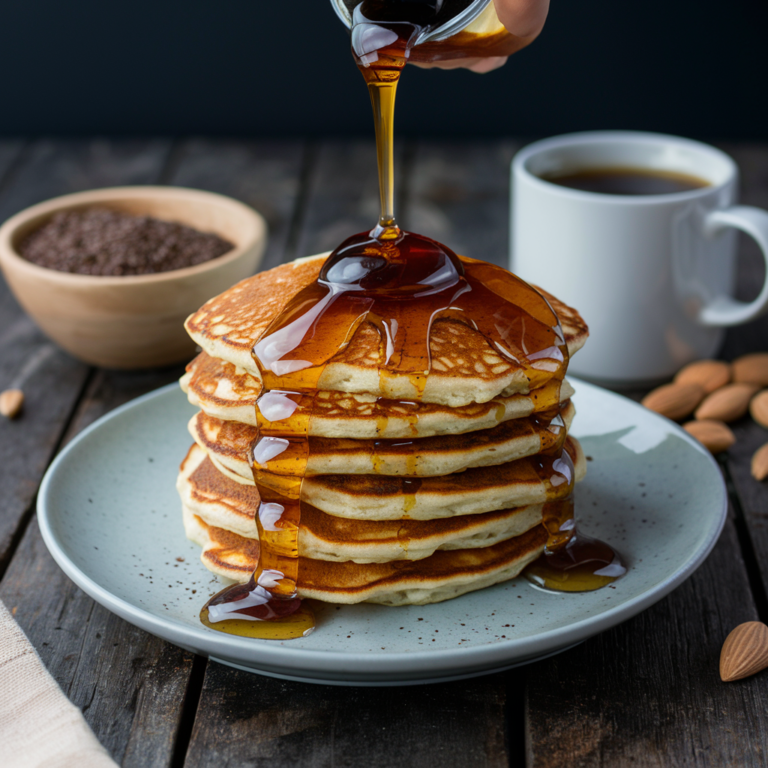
(523, 18)
(488, 64)
(479, 65)
(447, 64)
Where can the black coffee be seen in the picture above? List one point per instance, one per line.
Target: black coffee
(628, 181)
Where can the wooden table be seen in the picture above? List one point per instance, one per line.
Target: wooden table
(646, 693)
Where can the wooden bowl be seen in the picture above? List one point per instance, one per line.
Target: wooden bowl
(135, 321)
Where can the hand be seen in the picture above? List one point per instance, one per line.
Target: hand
(522, 18)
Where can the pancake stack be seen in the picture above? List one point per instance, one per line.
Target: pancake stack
(411, 494)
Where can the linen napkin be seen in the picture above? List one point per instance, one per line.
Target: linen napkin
(39, 726)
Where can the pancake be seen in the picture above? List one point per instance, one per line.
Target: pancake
(223, 503)
(464, 367)
(442, 576)
(229, 393)
(218, 499)
(229, 443)
(375, 497)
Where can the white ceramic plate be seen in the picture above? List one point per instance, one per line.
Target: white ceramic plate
(111, 518)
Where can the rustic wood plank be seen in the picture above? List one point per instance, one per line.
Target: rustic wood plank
(57, 167)
(753, 164)
(342, 194)
(648, 692)
(458, 193)
(51, 382)
(267, 175)
(257, 721)
(752, 505)
(51, 379)
(752, 159)
(10, 150)
(129, 684)
(132, 693)
(133, 719)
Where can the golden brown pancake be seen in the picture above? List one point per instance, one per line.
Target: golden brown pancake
(228, 443)
(464, 367)
(225, 392)
(223, 503)
(376, 497)
(443, 575)
(218, 499)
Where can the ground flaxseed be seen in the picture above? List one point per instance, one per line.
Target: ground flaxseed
(100, 241)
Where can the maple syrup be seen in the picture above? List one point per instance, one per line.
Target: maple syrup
(268, 606)
(402, 283)
(571, 561)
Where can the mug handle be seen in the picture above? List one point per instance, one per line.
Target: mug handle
(725, 311)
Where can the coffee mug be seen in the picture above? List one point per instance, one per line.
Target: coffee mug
(652, 275)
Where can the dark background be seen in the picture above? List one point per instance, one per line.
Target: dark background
(282, 67)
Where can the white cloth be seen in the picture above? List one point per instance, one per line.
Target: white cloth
(39, 726)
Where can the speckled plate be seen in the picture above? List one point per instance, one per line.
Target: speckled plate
(111, 518)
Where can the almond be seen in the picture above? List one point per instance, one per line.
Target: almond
(745, 651)
(758, 407)
(752, 369)
(727, 403)
(675, 401)
(715, 436)
(708, 374)
(760, 463)
(11, 401)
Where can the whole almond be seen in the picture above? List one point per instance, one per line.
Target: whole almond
(758, 408)
(715, 436)
(727, 403)
(760, 463)
(745, 651)
(11, 401)
(708, 374)
(752, 369)
(675, 401)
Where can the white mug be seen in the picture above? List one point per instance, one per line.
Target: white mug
(652, 275)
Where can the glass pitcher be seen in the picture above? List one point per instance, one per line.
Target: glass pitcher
(474, 30)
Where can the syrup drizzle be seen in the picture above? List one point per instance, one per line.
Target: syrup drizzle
(269, 606)
(571, 561)
(402, 283)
